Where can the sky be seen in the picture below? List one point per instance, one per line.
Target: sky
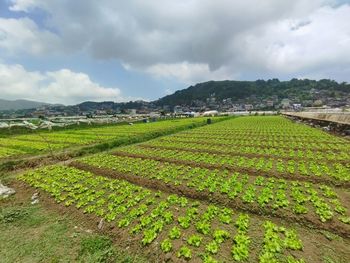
(64, 51)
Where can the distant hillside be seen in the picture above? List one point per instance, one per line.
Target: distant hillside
(241, 90)
(257, 93)
(19, 104)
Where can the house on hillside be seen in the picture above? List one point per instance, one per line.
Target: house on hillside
(248, 107)
(178, 109)
(285, 103)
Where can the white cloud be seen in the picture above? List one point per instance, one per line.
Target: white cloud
(188, 73)
(319, 41)
(62, 86)
(23, 36)
(26, 5)
(192, 40)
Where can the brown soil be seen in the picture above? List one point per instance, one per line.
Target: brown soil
(35, 161)
(306, 220)
(250, 171)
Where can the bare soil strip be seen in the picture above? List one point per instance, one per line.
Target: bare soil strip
(252, 155)
(305, 220)
(293, 177)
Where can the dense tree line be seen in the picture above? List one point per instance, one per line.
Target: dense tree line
(260, 88)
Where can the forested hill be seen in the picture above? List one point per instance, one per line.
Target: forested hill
(237, 90)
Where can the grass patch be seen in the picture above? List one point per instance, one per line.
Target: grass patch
(32, 234)
(100, 249)
(10, 215)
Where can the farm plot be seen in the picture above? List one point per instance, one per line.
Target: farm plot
(270, 132)
(251, 151)
(336, 172)
(251, 142)
(13, 146)
(218, 146)
(280, 138)
(204, 204)
(305, 202)
(169, 226)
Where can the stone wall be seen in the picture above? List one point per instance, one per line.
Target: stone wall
(342, 118)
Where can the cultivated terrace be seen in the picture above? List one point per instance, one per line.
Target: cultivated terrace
(247, 189)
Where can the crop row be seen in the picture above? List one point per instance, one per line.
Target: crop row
(251, 150)
(244, 135)
(265, 143)
(269, 194)
(187, 229)
(335, 171)
(6, 152)
(29, 146)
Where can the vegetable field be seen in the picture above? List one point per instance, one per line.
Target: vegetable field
(51, 142)
(249, 189)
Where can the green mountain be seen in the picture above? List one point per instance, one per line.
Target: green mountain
(261, 89)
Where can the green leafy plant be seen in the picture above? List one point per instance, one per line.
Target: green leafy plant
(345, 219)
(184, 221)
(203, 227)
(166, 245)
(208, 259)
(124, 222)
(168, 217)
(242, 222)
(220, 235)
(291, 240)
(194, 240)
(148, 236)
(240, 250)
(212, 247)
(184, 252)
(174, 233)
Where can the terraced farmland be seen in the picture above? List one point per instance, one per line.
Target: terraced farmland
(249, 189)
(51, 142)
